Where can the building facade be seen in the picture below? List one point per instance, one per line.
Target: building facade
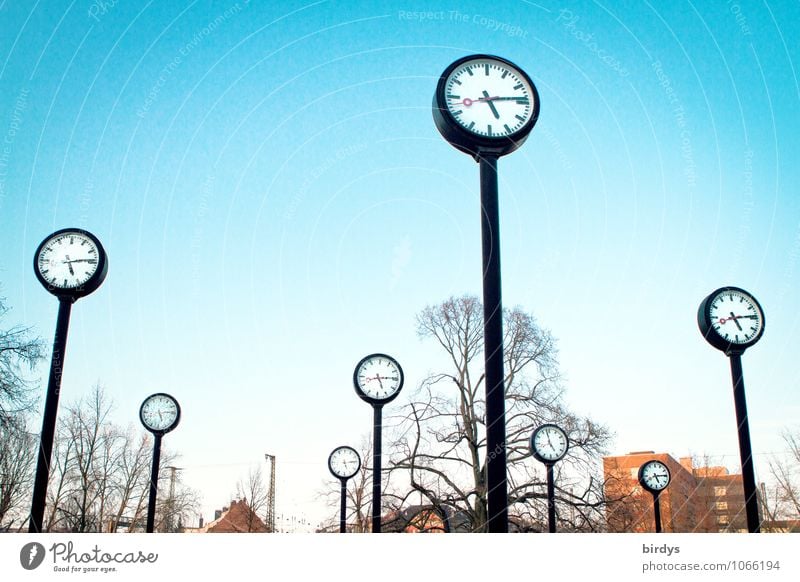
(698, 499)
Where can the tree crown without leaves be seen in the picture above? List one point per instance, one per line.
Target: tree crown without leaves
(441, 446)
(20, 352)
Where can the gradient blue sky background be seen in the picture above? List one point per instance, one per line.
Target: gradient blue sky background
(276, 203)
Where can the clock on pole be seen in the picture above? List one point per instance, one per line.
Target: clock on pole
(377, 379)
(654, 476)
(732, 320)
(160, 413)
(344, 463)
(70, 264)
(486, 106)
(549, 444)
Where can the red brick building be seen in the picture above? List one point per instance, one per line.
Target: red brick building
(237, 518)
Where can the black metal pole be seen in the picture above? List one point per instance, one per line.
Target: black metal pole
(745, 450)
(496, 480)
(49, 420)
(657, 512)
(551, 498)
(151, 505)
(343, 510)
(376, 467)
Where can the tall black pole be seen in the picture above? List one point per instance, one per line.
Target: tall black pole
(376, 466)
(496, 480)
(551, 499)
(50, 413)
(343, 508)
(151, 505)
(657, 512)
(745, 450)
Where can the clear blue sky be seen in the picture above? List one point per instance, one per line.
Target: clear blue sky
(276, 203)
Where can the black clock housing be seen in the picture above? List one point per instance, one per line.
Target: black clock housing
(536, 454)
(476, 145)
(74, 293)
(171, 427)
(645, 485)
(367, 397)
(706, 325)
(351, 475)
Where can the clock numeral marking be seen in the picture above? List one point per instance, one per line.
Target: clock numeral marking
(508, 129)
(486, 67)
(456, 81)
(520, 117)
(45, 271)
(454, 96)
(518, 86)
(522, 100)
(505, 73)
(65, 282)
(489, 129)
(471, 125)
(470, 72)
(91, 251)
(459, 112)
(71, 240)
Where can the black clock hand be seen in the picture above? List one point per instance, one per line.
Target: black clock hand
(69, 264)
(736, 321)
(491, 105)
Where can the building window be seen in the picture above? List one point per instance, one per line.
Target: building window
(722, 519)
(720, 491)
(722, 505)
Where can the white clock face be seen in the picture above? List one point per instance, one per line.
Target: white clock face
(68, 260)
(655, 475)
(159, 412)
(735, 316)
(489, 98)
(344, 462)
(379, 377)
(550, 443)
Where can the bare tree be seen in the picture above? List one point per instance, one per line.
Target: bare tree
(441, 447)
(100, 475)
(19, 355)
(17, 460)
(255, 494)
(786, 476)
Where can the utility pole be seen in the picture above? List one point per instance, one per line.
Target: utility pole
(271, 501)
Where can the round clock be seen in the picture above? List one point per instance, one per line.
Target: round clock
(70, 263)
(378, 378)
(160, 413)
(344, 462)
(731, 320)
(654, 476)
(549, 443)
(485, 105)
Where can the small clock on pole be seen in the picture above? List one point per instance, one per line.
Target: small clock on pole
(549, 444)
(377, 380)
(654, 476)
(344, 463)
(160, 413)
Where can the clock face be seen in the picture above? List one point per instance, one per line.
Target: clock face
(378, 378)
(160, 413)
(549, 443)
(344, 462)
(731, 319)
(735, 316)
(70, 261)
(489, 98)
(654, 476)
